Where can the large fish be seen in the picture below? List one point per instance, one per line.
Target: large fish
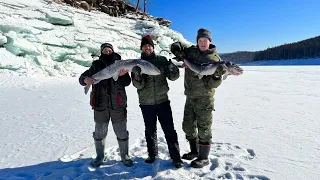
(210, 68)
(113, 70)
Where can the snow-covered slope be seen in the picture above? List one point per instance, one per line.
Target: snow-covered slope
(265, 123)
(56, 39)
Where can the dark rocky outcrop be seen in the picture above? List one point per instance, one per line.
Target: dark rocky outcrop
(116, 8)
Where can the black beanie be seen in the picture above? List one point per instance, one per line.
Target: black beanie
(105, 45)
(146, 40)
(204, 33)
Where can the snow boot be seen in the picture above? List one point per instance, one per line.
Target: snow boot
(202, 159)
(150, 159)
(177, 162)
(100, 145)
(194, 146)
(152, 147)
(124, 152)
(174, 152)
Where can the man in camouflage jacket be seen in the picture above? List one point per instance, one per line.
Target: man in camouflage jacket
(199, 104)
(154, 102)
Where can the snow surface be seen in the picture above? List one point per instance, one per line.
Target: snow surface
(265, 124)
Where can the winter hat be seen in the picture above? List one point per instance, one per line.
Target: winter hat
(204, 33)
(105, 45)
(146, 40)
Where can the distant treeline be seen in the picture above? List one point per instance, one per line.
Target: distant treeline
(238, 57)
(309, 48)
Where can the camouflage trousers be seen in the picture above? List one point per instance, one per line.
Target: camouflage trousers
(197, 120)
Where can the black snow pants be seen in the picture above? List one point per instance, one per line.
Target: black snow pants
(164, 114)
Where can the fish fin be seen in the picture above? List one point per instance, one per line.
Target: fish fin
(225, 76)
(86, 89)
(200, 76)
(115, 77)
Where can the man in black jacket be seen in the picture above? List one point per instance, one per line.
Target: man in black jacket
(109, 101)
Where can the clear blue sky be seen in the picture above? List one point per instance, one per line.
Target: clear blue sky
(238, 25)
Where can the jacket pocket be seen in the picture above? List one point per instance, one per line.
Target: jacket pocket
(121, 99)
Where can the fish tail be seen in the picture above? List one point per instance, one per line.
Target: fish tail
(86, 89)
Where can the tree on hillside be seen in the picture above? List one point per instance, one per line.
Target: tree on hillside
(146, 5)
(150, 5)
(137, 6)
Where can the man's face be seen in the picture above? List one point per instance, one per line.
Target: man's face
(203, 43)
(107, 51)
(147, 48)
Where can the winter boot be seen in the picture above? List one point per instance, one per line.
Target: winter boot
(124, 149)
(174, 152)
(152, 146)
(177, 162)
(150, 159)
(100, 145)
(194, 146)
(202, 159)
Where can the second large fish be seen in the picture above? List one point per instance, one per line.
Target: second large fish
(211, 67)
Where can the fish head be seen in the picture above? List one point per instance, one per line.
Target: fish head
(232, 68)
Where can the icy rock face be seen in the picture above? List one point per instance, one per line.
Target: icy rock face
(10, 61)
(19, 46)
(3, 39)
(58, 19)
(18, 25)
(57, 40)
(41, 25)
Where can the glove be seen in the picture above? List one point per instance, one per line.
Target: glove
(219, 71)
(136, 70)
(172, 67)
(177, 49)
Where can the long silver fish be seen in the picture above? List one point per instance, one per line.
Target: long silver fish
(210, 68)
(113, 70)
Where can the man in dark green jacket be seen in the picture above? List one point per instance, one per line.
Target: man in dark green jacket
(108, 99)
(199, 104)
(154, 102)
